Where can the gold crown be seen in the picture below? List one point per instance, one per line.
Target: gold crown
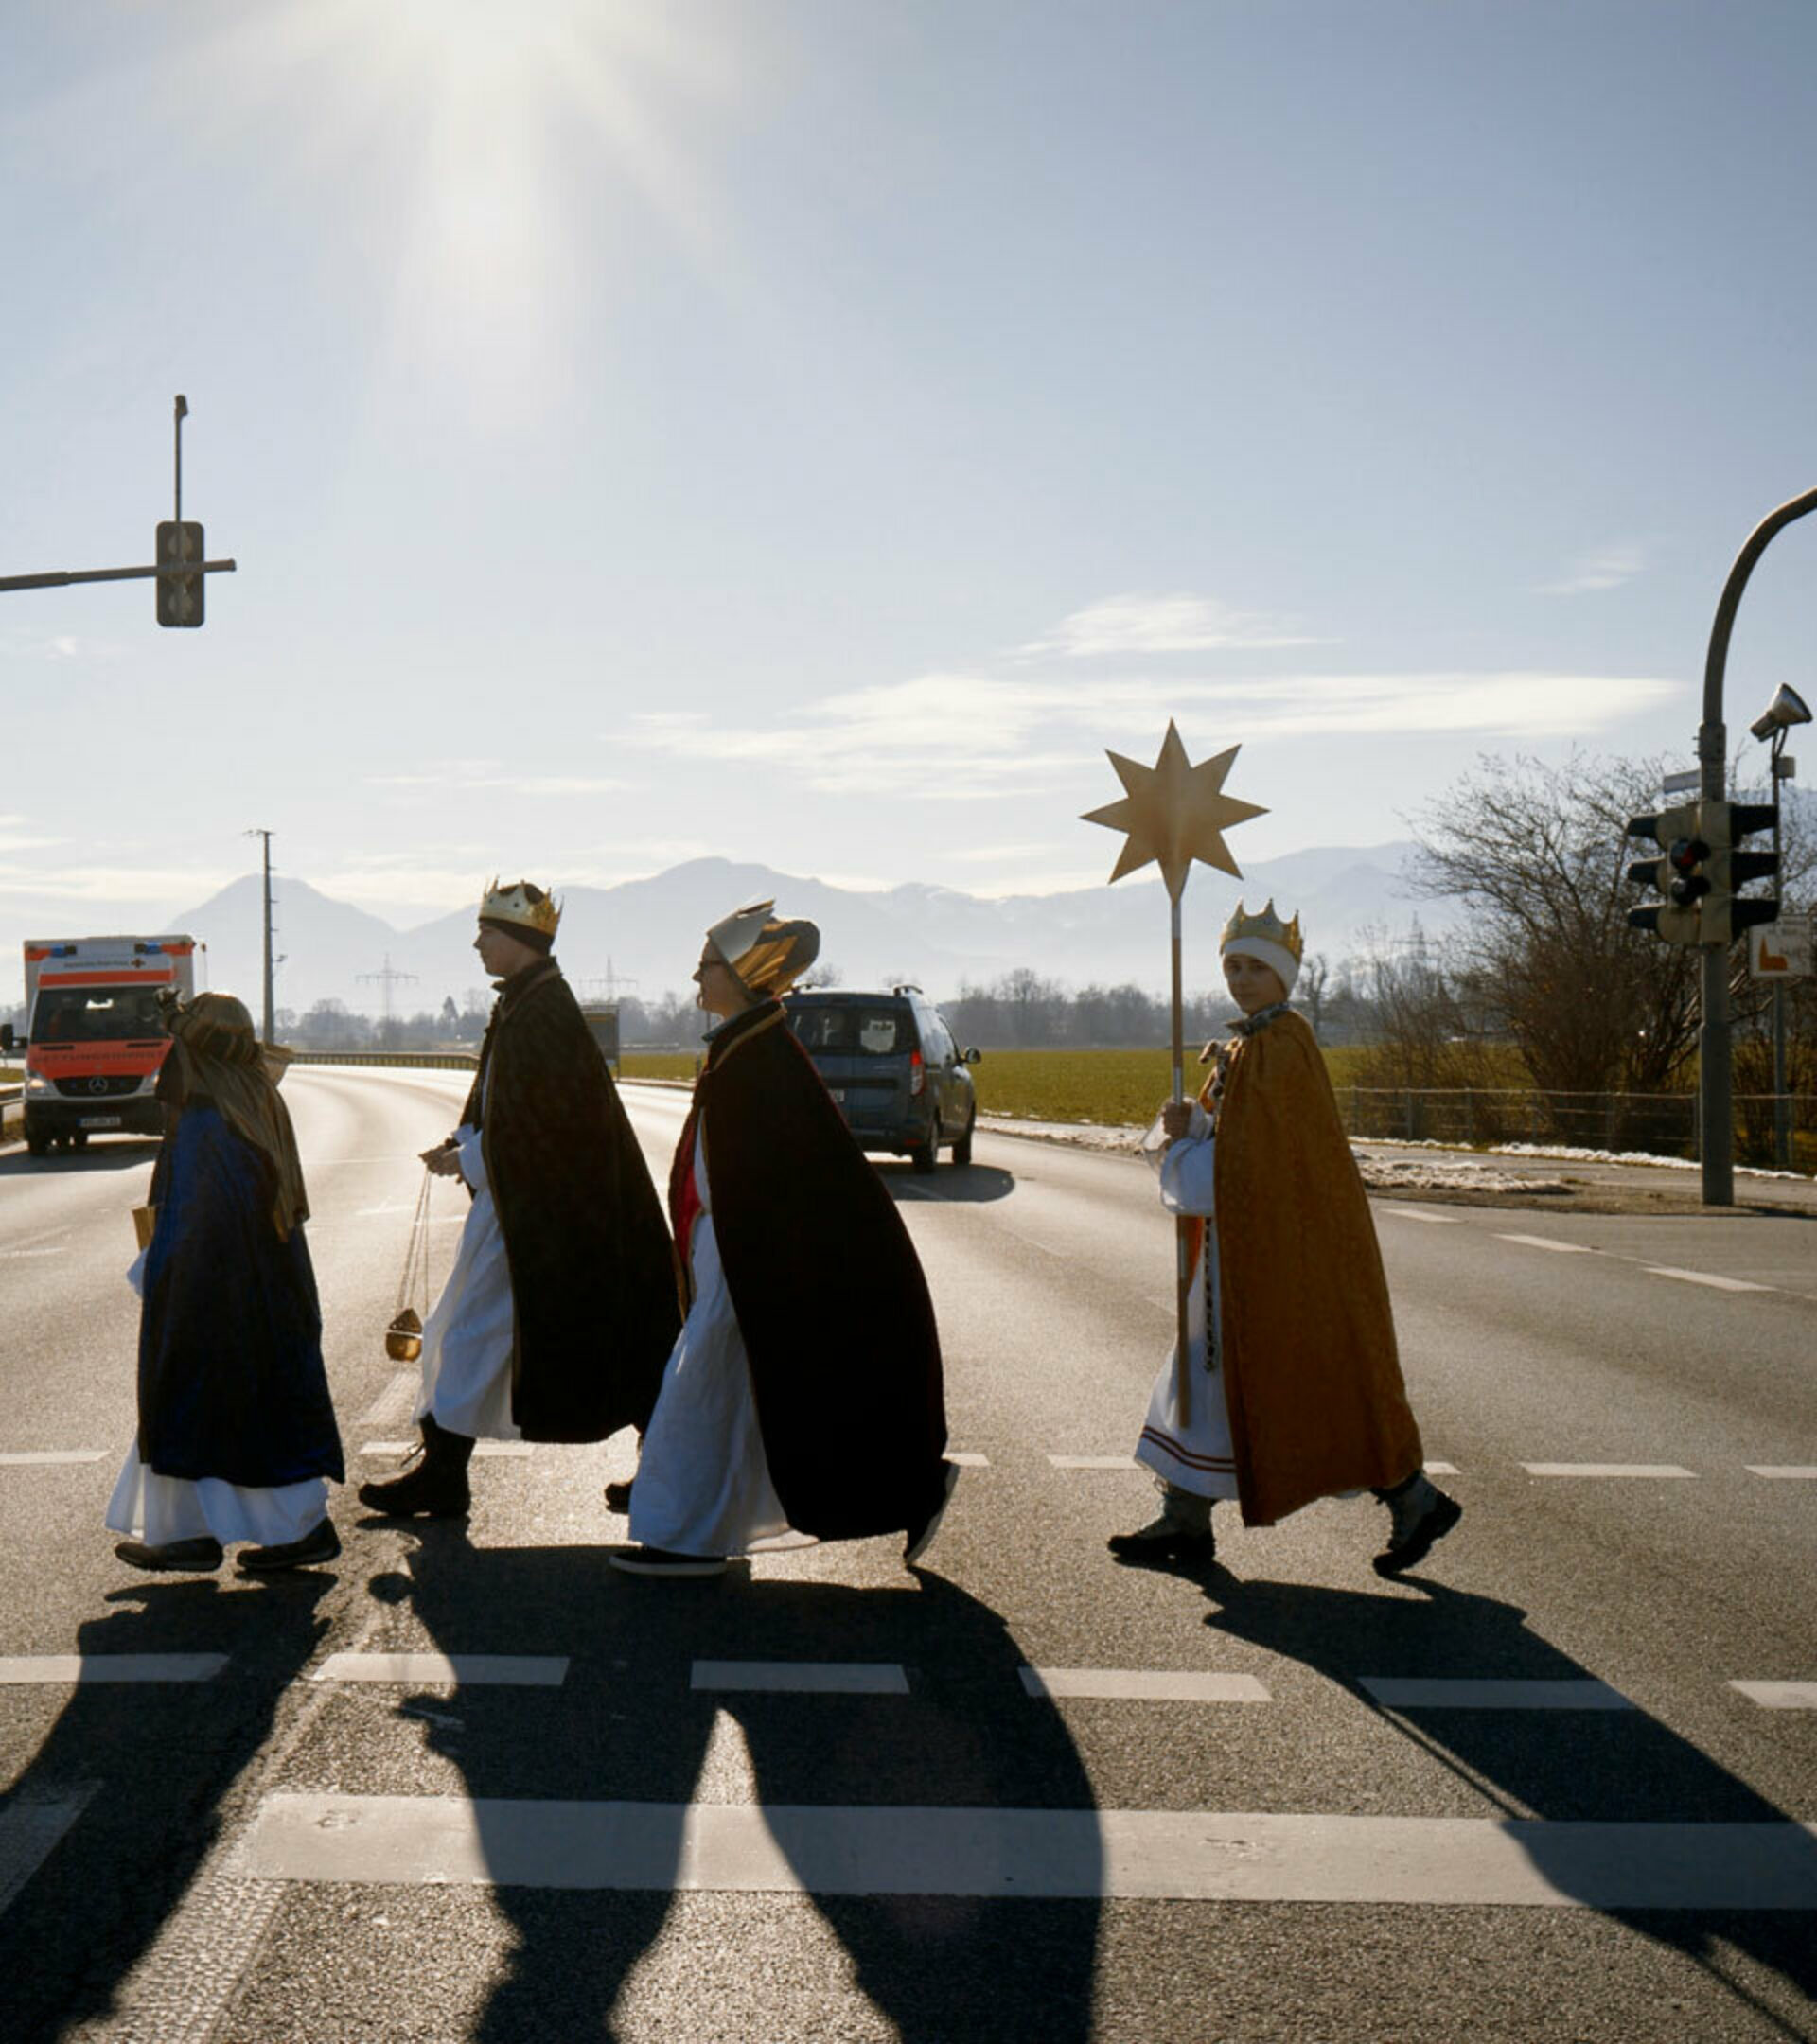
(1267, 928)
(513, 905)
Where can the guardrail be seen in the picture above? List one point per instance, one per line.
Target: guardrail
(417, 1060)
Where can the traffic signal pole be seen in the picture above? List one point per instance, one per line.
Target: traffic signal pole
(1715, 1092)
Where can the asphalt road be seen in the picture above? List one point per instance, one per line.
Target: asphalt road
(612, 1823)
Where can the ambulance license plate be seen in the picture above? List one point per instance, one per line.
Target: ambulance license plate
(99, 1120)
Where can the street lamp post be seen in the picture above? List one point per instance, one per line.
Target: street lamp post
(1714, 1088)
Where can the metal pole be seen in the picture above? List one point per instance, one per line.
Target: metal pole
(1182, 1226)
(1781, 1105)
(180, 407)
(1714, 1089)
(266, 837)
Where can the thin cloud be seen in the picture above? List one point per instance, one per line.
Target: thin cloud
(124, 884)
(1179, 623)
(1607, 569)
(461, 775)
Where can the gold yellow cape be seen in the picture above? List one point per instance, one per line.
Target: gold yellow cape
(1312, 1375)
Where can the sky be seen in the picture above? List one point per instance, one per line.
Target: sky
(811, 431)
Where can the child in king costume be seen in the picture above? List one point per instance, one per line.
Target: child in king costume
(1296, 1388)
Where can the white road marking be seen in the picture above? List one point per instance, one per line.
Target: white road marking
(1186, 1854)
(1604, 1468)
(34, 1456)
(15, 1255)
(1396, 1692)
(1046, 1248)
(517, 1448)
(1441, 1469)
(1779, 1695)
(967, 1460)
(1425, 1213)
(1093, 1461)
(1805, 1469)
(1545, 1241)
(116, 1668)
(395, 1403)
(1143, 1685)
(523, 1671)
(1704, 1278)
(819, 1678)
(30, 1829)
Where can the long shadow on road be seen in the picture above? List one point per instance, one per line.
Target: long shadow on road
(626, 1726)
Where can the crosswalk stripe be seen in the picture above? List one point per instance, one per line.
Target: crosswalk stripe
(117, 1668)
(1805, 1470)
(1148, 1685)
(967, 1460)
(1182, 1855)
(30, 1828)
(517, 1448)
(1548, 1241)
(1093, 1461)
(1402, 1692)
(468, 1670)
(827, 1678)
(1779, 1695)
(1604, 1468)
(1422, 1213)
(1704, 1278)
(26, 1460)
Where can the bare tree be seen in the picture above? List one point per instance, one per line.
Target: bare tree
(1315, 978)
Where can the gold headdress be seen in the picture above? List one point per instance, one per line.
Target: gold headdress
(767, 954)
(1266, 937)
(523, 909)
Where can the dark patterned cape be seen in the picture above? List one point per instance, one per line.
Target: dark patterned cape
(592, 1276)
(230, 1382)
(838, 1324)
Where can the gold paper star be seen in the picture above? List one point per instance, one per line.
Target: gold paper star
(1174, 812)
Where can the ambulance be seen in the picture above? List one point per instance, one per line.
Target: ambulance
(95, 1035)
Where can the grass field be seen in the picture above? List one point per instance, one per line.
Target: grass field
(656, 1065)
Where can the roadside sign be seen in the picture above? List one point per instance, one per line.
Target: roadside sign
(1781, 950)
(1682, 783)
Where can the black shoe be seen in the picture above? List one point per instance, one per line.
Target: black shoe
(659, 1562)
(435, 1485)
(196, 1557)
(320, 1543)
(921, 1534)
(618, 1495)
(1162, 1541)
(1432, 1526)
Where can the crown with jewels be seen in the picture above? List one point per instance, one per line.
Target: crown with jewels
(513, 905)
(1267, 929)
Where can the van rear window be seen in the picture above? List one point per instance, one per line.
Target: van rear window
(854, 1031)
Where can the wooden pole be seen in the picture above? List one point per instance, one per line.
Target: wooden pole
(1182, 1225)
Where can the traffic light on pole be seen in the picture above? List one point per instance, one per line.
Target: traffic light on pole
(180, 595)
(1680, 877)
(1725, 825)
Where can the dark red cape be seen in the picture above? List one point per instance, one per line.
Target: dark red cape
(829, 1293)
(592, 1283)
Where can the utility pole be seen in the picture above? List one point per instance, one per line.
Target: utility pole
(266, 837)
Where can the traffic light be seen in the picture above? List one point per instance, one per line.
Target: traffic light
(180, 595)
(1725, 825)
(1680, 877)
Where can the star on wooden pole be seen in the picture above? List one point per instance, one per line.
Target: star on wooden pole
(1174, 812)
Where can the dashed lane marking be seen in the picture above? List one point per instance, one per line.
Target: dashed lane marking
(820, 1678)
(1779, 1695)
(1158, 1855)
(1546, 1241)
(489, 1448)
(1144, 1685)
(1425, 1213)
(1394, 1692)
(119, 1668)
(1808, 1471)
(1442, 1469)
(395, 1403)
(1704, 1278)
(33, 1458)
(1093, 1461)
(523, 1671)
(30, 1829)
(1605, 1469)
(965, 1459)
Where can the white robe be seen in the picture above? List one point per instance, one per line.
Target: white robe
(466, 1339)
(703, 1483)
(159, 1509)
(1198, 1456)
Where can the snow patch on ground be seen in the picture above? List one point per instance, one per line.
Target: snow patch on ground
(1567, 1154)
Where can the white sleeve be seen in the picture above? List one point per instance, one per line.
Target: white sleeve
(1187, 1170)
(472, 1156)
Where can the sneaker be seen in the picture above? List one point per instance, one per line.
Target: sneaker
(1422, 1516)
(921, 1534)
(196, 1555)
(319, 1545)
(659, 1562)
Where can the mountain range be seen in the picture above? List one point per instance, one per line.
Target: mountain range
(645, 934)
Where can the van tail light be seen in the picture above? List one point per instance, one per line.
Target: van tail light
(917, 1074)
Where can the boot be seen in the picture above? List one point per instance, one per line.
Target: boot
(1182, 1532)
(1422, 1514)
(433, 1483)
